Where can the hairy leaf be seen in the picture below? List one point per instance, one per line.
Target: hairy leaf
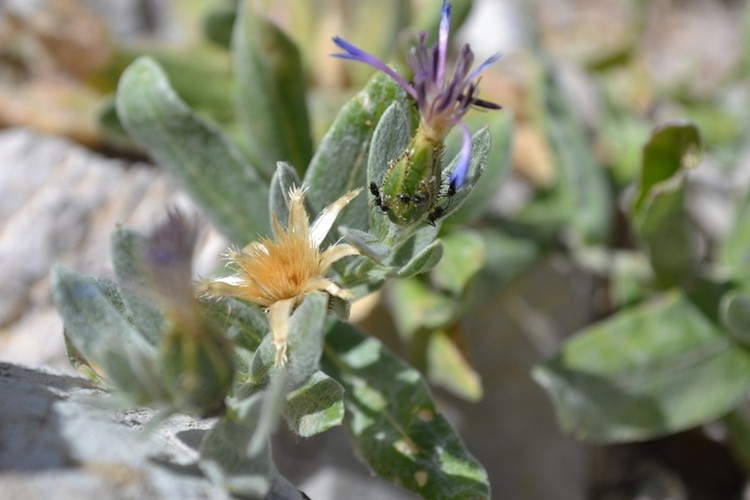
(393, 424)
(100, 333)
(236, 452)
(127, 254)
(340, 163)
(192, 150)
(316, 406)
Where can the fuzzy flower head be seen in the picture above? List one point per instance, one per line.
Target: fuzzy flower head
(442, 101)
(277, 273)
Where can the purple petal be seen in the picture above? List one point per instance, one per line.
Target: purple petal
(458, 176)
(356, 54)
(445, 25)
(490, 60)
(485, 104)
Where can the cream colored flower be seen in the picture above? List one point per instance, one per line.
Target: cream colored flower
(278, 273)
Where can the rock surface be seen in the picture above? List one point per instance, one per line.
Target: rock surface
(57, 442)
(59, 205)
(61, 439)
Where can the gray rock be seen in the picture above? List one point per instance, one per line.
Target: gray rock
(60, 440)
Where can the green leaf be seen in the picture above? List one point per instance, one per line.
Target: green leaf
(393, 424)
(218, 24)
(659, 214)
(316, 406)
(583, 185)
(480, 152)
(389, 141)
(97, 329)
(735, 250)
(413, 251)
(410, 245)
(665, 227)
(672, 147)
(192, 150)
(196, 364)
(127, 252)
(366, 243)
(447, 367)
(202, 78)
(201, 75)
(415, 306)
(79, 362)
(244, 323)
(305, 344)
(463, 257)
(423, 261)
(270, 91)
(653, 370)
(735, 315)
(236, 452)
(340, 163)
(498, 167)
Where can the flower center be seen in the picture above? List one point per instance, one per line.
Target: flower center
(283, 270)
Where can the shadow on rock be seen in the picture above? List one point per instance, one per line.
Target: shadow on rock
(30, 437)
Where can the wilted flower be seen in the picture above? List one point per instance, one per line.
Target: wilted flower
(195, 358)
(168, 255)
(442, 101)
(277, 273)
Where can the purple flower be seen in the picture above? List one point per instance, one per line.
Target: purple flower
(441, 101)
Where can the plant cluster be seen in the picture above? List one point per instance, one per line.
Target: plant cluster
(271, 339)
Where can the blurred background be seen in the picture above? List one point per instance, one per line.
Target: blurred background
(69, 174)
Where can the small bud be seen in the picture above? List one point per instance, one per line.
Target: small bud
(195, 358)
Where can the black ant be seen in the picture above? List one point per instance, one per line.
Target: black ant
(378, 200)
(439, 210)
